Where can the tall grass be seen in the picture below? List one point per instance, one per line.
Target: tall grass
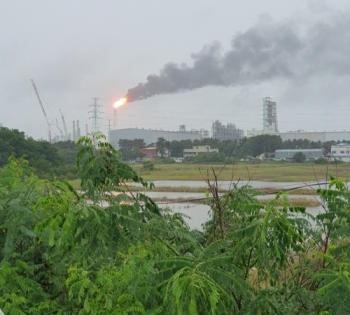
(272, 172)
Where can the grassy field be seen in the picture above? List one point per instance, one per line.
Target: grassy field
(269, 172)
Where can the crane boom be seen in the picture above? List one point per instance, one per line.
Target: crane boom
(64, 126)
(43, 110)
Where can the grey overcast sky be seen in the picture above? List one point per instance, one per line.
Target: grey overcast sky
(236, 52)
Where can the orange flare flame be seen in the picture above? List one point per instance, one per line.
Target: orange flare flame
(121, 102)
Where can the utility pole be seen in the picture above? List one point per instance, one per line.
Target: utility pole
(95, 115)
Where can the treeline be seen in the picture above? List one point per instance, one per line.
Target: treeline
(246, 147)
(50, 161)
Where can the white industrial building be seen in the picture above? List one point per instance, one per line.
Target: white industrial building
(149, 136)
(341, 152)
(270, 123)
(288, 154)
(315, 136)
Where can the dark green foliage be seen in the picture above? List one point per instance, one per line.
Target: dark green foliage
(321, 161)
(109, 251)
(51, 161)
(299, 157)
(167, 161)
(257, 145)
(177, 147)
(14, 143)
(130, 149)
(212, 157)
(67, 150)
(148, 165)
(161, 145)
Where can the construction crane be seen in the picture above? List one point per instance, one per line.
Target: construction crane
(64, 126)
(42, 108)
(60, 130)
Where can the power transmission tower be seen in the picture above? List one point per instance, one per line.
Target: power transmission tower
(95, 115)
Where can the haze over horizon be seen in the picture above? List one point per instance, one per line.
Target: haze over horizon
(182, 63)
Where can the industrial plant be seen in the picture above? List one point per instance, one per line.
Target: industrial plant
(270, 127)
(226, 132)
(219, 130)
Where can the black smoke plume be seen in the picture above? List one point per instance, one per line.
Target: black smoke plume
(264, 52)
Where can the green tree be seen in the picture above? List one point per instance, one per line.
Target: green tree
(177, 147)
(148, 165)
(257, 145)
(130, 149)
(299, 157)
(67, 150)
(161, 145)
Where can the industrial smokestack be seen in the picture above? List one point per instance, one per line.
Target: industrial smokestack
(264, 52)
(74, 132)
(78, 130)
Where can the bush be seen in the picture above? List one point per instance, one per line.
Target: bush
(321, 161)
(299, 157)
(212, 157)
(148, 165)
(167, 161)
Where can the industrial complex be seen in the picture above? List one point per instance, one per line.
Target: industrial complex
(219, 130)
(270, 127)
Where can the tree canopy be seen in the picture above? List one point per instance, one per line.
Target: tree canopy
(130, 149)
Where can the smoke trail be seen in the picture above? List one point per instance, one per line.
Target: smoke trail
(264, 52)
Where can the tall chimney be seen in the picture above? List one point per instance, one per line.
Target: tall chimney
(74, 133)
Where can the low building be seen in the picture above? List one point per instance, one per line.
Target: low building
(196, 150)
(341, 152)
(151, 153)
(289, 153)
(315, 136)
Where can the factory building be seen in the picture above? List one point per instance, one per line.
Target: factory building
(289, 153)
(149, 136)
(270, 125)
(226, 132)
(322, 136)
(341, 152)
